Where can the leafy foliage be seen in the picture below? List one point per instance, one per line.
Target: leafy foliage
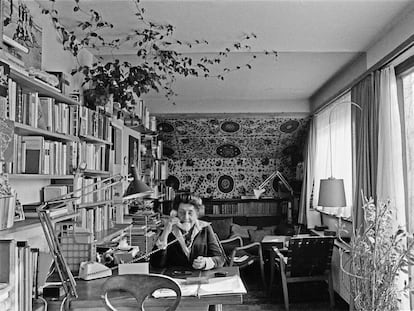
(5, 189)
(158, 64)
(378, 254)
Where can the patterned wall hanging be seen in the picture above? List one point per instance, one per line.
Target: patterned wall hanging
(228, 157)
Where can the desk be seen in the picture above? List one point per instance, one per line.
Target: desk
(90, 297)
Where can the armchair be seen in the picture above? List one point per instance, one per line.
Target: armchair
(237, 254)
(308, 259)
(140, 286)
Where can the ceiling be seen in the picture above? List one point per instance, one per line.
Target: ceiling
(314, 40)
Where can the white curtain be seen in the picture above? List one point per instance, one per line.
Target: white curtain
(390, 180)
(312, 216)
(334, 136)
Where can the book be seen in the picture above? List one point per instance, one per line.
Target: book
(52, 192)
(34, 154)
(45, 119)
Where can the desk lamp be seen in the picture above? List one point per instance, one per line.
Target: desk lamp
(260, 190)
(136, 189)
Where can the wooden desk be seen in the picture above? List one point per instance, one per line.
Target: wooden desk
(90, 293)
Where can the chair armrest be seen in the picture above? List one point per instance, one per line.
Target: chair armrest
(232, 239)
(249, 246)
(281, 258)
(255, 245)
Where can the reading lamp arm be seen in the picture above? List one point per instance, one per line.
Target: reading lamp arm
(64, 198)
(282, 179)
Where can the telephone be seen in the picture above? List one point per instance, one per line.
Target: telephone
(90, 270)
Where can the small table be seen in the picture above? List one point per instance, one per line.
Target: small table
(269, 241)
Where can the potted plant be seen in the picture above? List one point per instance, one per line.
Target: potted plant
(378, 257)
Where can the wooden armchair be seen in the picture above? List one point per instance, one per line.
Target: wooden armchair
(237, 254)
(308, 259)
(140, 286)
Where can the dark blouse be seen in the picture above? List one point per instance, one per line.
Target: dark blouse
(205, 244)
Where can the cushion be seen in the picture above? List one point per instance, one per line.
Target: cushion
(242, 231)
(272, 228)
(258, 235)
(222, 227)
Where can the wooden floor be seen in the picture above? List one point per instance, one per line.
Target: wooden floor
(302, 296)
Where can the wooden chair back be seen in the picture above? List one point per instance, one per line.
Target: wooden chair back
(140, 286)
(309, 256)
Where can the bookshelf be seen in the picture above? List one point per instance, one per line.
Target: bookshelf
(260, 212)
(67, 135)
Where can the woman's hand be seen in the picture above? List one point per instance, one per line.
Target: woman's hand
(171, 221)
(199, 263)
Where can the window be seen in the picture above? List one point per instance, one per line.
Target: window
(334, 147)
(408, 136)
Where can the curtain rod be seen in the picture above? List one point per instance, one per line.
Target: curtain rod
(399, 50)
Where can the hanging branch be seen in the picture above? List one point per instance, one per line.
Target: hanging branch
(159, 64)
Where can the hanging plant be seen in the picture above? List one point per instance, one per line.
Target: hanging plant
(158, 64)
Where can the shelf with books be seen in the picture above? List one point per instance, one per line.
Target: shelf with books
(38, 176)
(95, 204)
(93, 139)
(42, 88)
(94, 173)
(33, 222)
(27, 130)
(108, 235)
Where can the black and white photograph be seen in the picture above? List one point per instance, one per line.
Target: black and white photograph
(216, 155)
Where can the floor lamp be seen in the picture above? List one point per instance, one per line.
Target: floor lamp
(332, 190)
(136, 189)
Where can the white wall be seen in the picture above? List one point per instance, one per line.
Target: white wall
(162, 106)
(54, 57)
(391, 38)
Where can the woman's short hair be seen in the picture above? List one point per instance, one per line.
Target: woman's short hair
(187, 198)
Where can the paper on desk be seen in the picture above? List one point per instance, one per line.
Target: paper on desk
(215, 286)
(223, 285)
(186, 290)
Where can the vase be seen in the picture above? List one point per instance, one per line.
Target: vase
(7, 210)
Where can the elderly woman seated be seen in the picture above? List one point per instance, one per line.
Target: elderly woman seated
(196, 244)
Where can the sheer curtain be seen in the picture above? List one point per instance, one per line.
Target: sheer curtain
(408, 93)
(390, 178)
(334, 147)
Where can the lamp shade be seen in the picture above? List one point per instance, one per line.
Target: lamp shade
(136, 188)
(332, 193)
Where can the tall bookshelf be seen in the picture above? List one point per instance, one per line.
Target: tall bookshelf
(65, 134)
(68, 134)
